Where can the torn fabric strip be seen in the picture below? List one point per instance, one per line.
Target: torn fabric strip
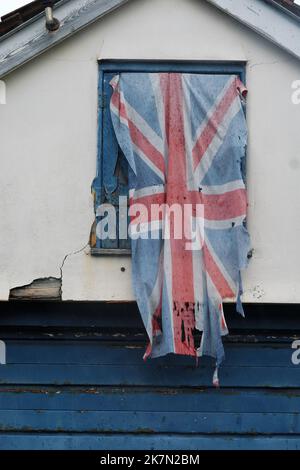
(184, 137)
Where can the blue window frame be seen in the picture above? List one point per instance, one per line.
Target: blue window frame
(111, 178)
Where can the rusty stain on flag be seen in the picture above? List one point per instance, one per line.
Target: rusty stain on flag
(184, 137)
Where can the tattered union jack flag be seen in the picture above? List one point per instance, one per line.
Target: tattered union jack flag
(184, 136)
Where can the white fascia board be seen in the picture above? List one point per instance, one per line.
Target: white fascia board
(267, 19)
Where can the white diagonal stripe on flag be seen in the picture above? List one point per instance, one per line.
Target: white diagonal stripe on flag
(221, 266)
(211, 151)
(212, 110)
(148, 161)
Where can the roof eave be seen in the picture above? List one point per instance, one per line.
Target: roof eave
(32, 38)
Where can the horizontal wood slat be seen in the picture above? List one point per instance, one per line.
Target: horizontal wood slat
(97, 351)
(106, 442)
(130, 399)
(150, 422)
(268, 376)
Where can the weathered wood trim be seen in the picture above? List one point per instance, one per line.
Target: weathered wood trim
(39, 289)
(266, 19)
(271, 319)
(32, 38)
(110, 251)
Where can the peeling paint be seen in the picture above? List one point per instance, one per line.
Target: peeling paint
(40, 289)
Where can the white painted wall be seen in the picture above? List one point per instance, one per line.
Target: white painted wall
(48, 139)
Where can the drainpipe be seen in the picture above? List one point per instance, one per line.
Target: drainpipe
(52, 24)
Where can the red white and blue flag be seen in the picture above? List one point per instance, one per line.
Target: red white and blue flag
(184, 137)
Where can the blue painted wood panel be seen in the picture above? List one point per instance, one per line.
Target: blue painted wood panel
(102, 352)
(104, 363)
(73, 384)
(123, 441)
(144, 411)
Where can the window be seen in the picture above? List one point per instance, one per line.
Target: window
(111, 179)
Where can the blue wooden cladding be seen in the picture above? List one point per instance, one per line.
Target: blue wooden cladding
(111, 180)
(75, 379)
